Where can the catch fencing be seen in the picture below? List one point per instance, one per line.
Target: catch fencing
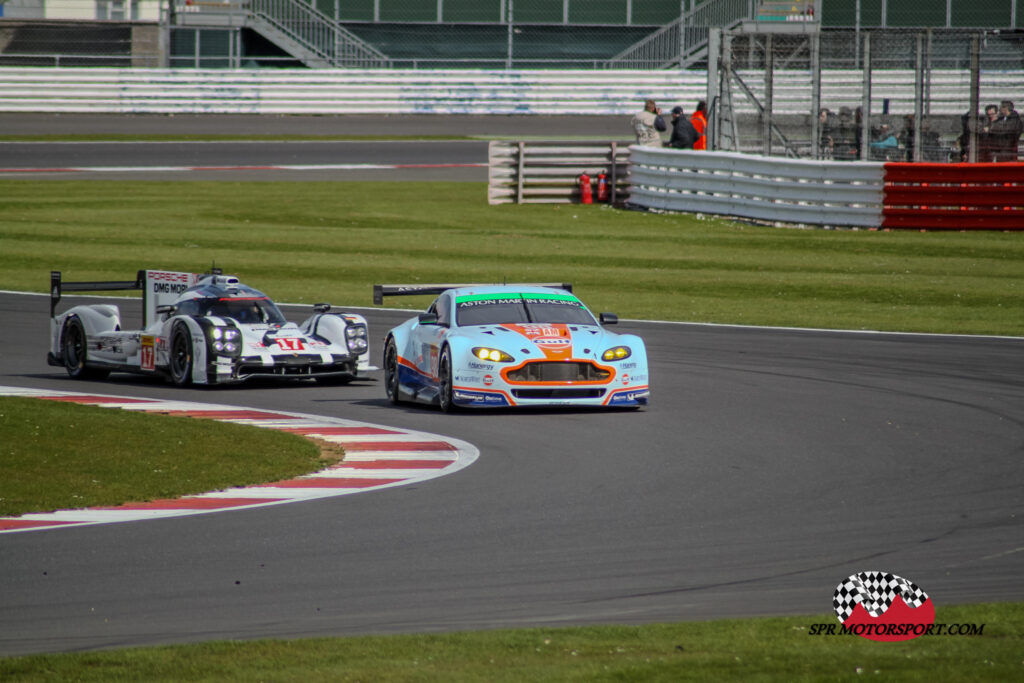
(830, 193)
(885, 95)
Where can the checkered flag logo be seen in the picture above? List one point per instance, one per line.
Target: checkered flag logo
(875, 591)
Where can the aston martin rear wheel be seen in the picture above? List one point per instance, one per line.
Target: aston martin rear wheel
(74, 349)
(181, 356)
(444, 381)
(391, 371)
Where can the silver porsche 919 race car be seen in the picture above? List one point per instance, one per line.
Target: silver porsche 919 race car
(496, 346)
(202, 329)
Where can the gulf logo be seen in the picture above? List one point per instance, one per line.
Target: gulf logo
(488, 380)
(553, 342)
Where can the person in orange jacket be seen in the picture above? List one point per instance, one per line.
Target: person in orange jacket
(699, 119)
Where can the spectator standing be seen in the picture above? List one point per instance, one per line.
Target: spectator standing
(699, 119)
(845, 136)
(647, 123)
(987, 144)
(683, 132)
(906, 137)
(827, 142)
(1005, 132)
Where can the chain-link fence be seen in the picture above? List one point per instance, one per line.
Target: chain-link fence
(869, 95)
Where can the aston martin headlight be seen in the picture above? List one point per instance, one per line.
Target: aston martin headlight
(493, 355)
(617, 353)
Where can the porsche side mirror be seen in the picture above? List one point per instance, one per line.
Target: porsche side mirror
(321, 308)
(609, 319)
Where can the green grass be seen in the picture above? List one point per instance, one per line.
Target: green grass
(307, 242)
(58, 456)
(771, 649)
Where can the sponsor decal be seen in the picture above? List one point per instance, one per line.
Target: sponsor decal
(473, 365)
(488, 380)
(885, 607)
(166, 282)
(625, 379)
(553, 342)
(629, 398)
(479, 398)
(629, 366)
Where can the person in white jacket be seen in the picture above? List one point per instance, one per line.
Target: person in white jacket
(647, 124)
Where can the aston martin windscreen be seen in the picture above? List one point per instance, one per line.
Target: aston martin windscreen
(495, 309)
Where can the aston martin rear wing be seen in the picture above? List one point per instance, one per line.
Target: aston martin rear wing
(381, 291)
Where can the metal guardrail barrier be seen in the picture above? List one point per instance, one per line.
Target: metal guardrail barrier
(757, 187)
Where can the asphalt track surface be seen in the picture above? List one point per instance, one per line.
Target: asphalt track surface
(341, 160)
(771, 465)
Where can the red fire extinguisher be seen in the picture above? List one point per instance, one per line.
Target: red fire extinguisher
(586, 193)
(602, 187)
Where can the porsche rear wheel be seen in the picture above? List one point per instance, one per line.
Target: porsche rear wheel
(444, 381)
(181, 357)
(391, 371)
(74, 349)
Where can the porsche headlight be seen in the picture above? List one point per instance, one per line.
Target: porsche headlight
(355, 338)
(493, 355)
(616, 353)
(225, 341)
(226, 333)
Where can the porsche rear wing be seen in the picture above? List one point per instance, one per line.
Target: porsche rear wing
(381, 291)
(57, 285)
(158, 287)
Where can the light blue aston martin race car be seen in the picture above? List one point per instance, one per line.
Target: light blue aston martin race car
(489, 346)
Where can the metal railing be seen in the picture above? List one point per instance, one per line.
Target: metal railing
(684, 41)
(318, 33)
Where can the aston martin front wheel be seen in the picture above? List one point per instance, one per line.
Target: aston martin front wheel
(391, 371)
(444, 381)
(181, 357)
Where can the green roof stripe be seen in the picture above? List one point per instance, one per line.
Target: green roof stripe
(521, 295)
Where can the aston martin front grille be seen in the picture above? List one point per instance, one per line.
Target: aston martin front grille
(556, 371)
(558, 394)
